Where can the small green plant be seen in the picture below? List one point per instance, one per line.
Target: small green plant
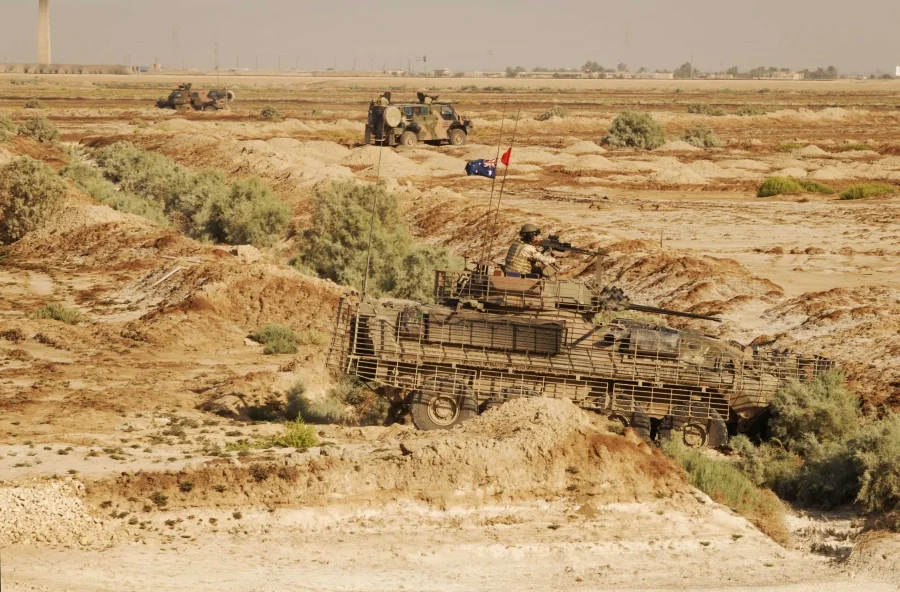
(864, 190)
(159, 499)
(631, 129)
(40, 129)
(701, 136)
(30, 192)
(555, 111)
(295, 434)
(277, 339)
(186, 486)
(811, 186)
(34, 104)
(705, 109)
(58, 312)
(748, 111)
(725, 484)
(8, 128)
(790, 146)
(778, 186)
(270, 113)
(856, 146)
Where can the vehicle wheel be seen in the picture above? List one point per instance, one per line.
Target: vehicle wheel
(457, 137)
(209, 108)
(441, 411)
(691, 426)
(408, 139)
(632, 415)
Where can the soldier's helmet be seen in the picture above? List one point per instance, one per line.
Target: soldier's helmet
(529, 229)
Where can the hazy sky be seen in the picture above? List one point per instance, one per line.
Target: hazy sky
(857, 36)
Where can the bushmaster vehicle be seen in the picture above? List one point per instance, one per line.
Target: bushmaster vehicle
(491, 338)
(184, 99)
(407, 124)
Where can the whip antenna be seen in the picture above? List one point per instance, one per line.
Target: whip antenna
(365, 285)
(487, 230)
(503, 182)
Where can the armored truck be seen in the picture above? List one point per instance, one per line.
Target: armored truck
(490, 338)
(184, 98)
(407, 124)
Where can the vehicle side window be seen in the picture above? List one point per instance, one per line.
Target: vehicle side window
(447, 112)
(408, 111)
(425, 110)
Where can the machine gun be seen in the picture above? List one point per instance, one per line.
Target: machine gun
(613, 298)
(552, 243)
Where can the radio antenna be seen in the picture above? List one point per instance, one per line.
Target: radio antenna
(503, 182)
(484, 242)
(365, 285)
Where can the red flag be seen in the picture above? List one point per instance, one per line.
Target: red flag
(505, 158)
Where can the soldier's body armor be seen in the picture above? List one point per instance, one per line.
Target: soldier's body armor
(517, 259)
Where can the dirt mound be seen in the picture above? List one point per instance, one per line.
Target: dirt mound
(47, 515)
(877, 553)
(591, 162)
(372, 160)
(828, 174)
(531, 447)
(329, 152)
(682, 175)
(584, 147)
(810, 151)
(677, 146)
(791, 172)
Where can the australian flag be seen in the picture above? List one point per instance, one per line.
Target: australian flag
(483, 167)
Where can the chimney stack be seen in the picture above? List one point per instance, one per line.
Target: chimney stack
(44, 32)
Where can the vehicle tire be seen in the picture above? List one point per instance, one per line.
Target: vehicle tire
(689, 424)
(408, 139)
(457, 137)
(441, 411)
(229, 94)
(210, 108)
(630, 413)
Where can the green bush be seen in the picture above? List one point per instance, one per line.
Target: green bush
(248, 214)
(295, 434)
(312, 337)
(30, 192)
(811, 186)
(149, 175)
(857, 146)
(864, 190)
(701, 136)
(40, 129)
(727, 485)
(58, 312)
(270, 113)
(34, 104)
(555, 111)
(277, 339)
(747, 111)
(876, 450)
(349, 402)
(807, 414)
(336, 243)
(8, 128)
(768, 466)
(790, 146)
(91, 181)
(829, 476)
(778, 186)
(634, 130)
(705, 109)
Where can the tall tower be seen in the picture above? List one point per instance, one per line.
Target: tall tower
(44, 32)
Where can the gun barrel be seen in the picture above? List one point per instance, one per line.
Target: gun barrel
(674, 313)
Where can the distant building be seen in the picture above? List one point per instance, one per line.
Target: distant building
(897, 74)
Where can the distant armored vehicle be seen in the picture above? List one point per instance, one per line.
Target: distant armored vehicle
(491, 337)
(407, 124)
(184, 99)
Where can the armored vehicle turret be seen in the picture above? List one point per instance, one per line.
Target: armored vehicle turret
(489, 338)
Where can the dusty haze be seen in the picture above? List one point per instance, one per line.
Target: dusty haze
(322, 34)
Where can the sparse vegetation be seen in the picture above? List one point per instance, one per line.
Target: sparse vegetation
(8, 128)
(805, 415)
(277, 339)
(34, 104)
(348, 402)
(270, 113)
(30, 192)
(856, 146)
(91, 181)
(701, 136)
(555, 111)
(40, 129)
(705, 109)
(631, 129)
(778, 186)
(727, 485)
(295, 434)
(748, 111)
(811, 186)
(864, 190)
(790, 146)
(336, 243)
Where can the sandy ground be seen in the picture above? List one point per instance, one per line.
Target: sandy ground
(99, 416)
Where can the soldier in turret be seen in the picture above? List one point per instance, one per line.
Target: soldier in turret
(524, 258)
(384, 100)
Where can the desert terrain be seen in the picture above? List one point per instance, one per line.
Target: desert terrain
(120, 458)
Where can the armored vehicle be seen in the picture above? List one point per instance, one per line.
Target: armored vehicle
(184, 99)
(407, 124)
(490, 338)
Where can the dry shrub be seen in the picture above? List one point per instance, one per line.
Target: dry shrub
(277, 339)
(811, 186)
(705, 109)
(778, 186)
(247, 214)
(877, 452)
(349, 402)
(790, 146)
(631, 129)
(34, 104)
(727, 485)
(30, 192)
(555, 111)
(92, 182)
(864, 190)
(336, 244)
(270, 113)
(58, 312)
(8, 128)
(747, 111)
(40, 129)
(701, 136)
